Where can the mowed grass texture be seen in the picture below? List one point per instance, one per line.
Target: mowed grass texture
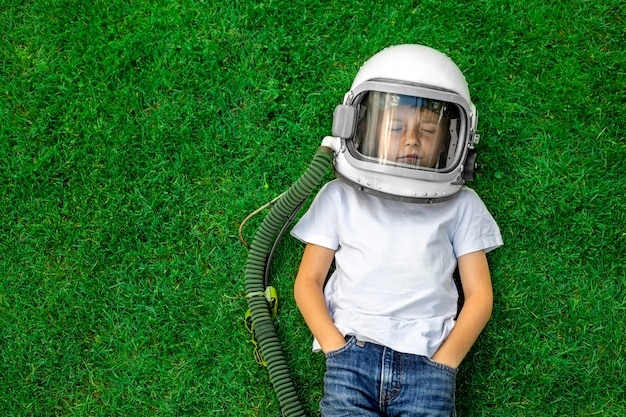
(136, 136)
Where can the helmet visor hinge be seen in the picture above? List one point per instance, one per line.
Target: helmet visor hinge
(344, 121)
(474, 140)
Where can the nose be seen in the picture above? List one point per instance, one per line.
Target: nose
(412, 137)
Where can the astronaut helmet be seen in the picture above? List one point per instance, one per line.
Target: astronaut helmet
(407, 127)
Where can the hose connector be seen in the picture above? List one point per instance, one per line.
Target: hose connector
(333, 143)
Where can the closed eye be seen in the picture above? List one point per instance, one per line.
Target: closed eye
(397, 126)
(429, 128)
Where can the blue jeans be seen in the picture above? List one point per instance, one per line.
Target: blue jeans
(366, 379)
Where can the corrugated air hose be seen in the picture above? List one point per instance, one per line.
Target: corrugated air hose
(257, 267)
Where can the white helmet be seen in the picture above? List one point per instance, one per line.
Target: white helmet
(407, 126)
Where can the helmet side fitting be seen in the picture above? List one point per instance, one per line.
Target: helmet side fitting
(412, 70)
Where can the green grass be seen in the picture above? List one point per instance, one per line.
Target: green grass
(135, 137)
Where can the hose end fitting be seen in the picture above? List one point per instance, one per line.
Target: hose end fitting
(333, 143)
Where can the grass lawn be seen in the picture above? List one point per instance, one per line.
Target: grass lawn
(135, 136)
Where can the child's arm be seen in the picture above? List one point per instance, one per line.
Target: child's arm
(309, 295)
(476, 310)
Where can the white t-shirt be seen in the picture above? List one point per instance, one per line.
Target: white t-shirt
(394, 262)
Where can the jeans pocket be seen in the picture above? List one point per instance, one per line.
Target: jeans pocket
(333, 353)
(442, 367)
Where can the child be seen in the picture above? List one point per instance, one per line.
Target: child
(398, 222)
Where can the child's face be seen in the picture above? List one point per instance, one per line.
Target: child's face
(412, 135)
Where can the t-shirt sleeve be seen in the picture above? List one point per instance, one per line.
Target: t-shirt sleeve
(319, 224)
(476, 229)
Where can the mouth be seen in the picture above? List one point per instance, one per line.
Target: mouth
(409, 159)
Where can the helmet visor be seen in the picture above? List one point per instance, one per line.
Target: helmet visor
(406, 131)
